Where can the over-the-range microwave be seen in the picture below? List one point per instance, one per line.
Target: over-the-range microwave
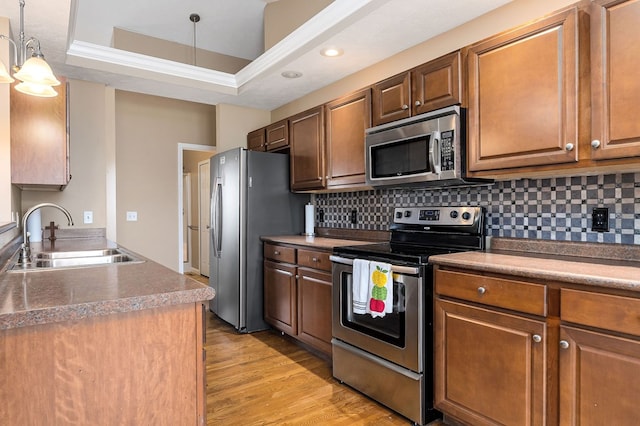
(426, 150)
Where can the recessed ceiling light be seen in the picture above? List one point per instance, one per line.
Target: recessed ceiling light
(291, 74)
(331, 52)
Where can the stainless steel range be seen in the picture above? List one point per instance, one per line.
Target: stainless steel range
(390, 357)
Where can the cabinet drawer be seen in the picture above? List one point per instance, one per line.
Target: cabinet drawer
(314, 259)
(519, 296)
(279, 253)
(609, 312)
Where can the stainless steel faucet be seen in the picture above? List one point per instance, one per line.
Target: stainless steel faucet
(25, 254)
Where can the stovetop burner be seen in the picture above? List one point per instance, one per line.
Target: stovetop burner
(420, 232)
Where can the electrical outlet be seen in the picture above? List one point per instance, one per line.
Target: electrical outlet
(87, 217)
(320, 215)
(132, 216)
(354, 216)
(600, 219)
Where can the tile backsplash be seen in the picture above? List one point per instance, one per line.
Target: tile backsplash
(548, 208)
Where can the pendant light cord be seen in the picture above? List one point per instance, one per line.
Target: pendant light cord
(195, 18)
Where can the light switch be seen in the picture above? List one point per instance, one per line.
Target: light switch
(88, 217)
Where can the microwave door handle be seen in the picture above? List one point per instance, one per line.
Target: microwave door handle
(434, 153)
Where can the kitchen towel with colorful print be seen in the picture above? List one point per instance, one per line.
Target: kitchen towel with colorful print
(360, 286)
(381, 285)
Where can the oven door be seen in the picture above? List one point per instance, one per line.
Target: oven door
(398, 336)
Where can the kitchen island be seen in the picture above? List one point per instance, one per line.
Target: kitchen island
(108, 344)
(538, 332)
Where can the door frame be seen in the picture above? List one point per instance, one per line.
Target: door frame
(181, 148)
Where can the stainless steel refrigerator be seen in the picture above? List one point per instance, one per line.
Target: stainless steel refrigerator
(250, 198)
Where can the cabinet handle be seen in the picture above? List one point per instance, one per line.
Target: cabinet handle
(405, 107)
(314, 259)
(418, 103)
(481, 290)
(595, 144)
(537, 338)
(564, 344)
(276, 252)
(569, 147)
(319, 177)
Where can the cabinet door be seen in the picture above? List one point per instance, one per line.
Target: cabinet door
(347, 119)
(615, 88)
(523, 95)
(306, 132)
(436, 84)
(256, 140)
(599, 378)
(280, 308)
(314, 308)
(39, 139)
(391, 99)
(277, 136)
(490, 366)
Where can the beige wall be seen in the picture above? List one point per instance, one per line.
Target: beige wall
(88, 157)
(9, 194)
(148, 131)
(234, 122)
(139, 43)
(508, 16)
(283, 16)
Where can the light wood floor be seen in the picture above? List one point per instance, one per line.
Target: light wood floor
(264, 378)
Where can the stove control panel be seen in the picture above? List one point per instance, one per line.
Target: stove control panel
(447, 216)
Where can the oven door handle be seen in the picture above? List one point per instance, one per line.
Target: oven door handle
(394, 268)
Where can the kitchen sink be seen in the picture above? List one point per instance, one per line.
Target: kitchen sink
(72, 259)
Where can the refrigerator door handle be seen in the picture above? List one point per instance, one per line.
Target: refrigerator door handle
(216, 218)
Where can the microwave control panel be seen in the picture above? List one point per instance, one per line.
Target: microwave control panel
(447, 151)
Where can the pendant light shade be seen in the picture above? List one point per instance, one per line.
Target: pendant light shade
(34, 73)
(35, 70)
(33, 89)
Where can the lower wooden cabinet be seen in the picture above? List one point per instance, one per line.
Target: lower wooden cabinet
(490, 366)
(137, 368)
(514, 351)
(297, 294)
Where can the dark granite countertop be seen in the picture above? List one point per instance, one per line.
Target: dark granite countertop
(46, 296)
(611, 266)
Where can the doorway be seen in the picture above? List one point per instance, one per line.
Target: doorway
(189, 157)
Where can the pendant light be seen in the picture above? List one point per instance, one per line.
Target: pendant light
(35, 74)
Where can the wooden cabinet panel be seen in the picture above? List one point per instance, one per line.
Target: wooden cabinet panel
(314, 308)
(280, 296)
(436, 84)
(256, 140)
(391, 99)
(279, 253)
(306, 132)
(39, 140)
(606, 311)
(314, 259)
(615, 88)
(523, 95)
(502, 293)
(489, 367)
(346, 120)
(277, 135)
(141, 367)
(599, 378)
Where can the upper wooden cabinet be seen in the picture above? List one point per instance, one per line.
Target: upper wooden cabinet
(256, 140)
(523, 94)
(615, 86)
(430, 86)
(277, 135)
(306, 135)
(40, 140)
(347, 119)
